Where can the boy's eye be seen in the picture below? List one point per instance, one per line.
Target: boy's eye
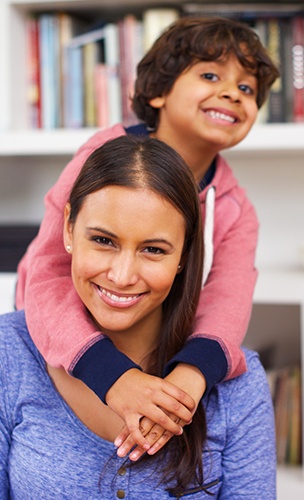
(247, 89)
(212, 77)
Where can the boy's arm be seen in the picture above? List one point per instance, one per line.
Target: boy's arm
(226, 299)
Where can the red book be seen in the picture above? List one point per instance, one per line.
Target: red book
(34, 90)
(298, 68)
(102, 97)
(128, 30)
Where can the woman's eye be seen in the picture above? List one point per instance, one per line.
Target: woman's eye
(210, 76)
(154, 250)
(247, 89)
(102, 240)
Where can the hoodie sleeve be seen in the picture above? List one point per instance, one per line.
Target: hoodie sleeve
(56, 317)
(226, 299)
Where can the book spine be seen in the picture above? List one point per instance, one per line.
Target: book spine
(34, 92)
(111, 59)
(277, 108)
(298, 68)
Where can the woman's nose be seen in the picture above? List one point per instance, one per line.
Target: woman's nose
(123, 270)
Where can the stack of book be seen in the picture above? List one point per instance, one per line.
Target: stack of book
(285, 385)
(83, 77)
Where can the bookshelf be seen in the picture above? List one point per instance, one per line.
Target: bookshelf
(269, 164)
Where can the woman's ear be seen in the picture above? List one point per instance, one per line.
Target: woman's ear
(67, 229)
(157, 102)
(182, 263)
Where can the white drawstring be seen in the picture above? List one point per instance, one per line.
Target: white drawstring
(208, 233)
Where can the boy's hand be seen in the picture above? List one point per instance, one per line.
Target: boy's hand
(189, 379)
(136, 394)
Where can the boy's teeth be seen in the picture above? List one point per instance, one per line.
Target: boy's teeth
(221, 116)
(116, 298)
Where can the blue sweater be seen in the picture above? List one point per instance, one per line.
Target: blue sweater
(47, 453)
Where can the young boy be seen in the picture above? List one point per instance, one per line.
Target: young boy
(198, 89)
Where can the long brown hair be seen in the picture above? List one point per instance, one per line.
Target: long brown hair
(138, 163)
(193, 39)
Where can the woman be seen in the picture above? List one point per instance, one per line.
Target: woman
(132, 226)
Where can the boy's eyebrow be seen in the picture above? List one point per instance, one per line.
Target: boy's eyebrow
(149, 241)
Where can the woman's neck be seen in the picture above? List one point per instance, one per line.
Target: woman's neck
(139, 341)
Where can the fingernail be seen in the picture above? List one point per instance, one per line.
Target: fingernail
(118, 442)
(134, 456)
(121, 452)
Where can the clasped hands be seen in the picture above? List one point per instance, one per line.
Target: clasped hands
(154, 409)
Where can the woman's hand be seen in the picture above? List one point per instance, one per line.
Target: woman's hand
(135, 395)
(187, 378)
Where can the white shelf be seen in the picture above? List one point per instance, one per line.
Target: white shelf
(290, 483)
(7, 292)
(43, 142)
(262, 138)
(280, 287)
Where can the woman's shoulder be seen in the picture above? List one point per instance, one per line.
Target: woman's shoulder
(252, 380)
(15, 340)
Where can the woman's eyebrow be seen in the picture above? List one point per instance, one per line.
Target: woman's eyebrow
(101, 230)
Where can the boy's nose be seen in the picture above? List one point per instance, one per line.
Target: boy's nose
(122, 271)
(231, 92)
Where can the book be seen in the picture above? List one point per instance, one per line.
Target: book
(298, 68)
(102, 89)
(91, 57)
(128, 30)
(285, 388)
(112, 62)
(294, 448)
(33, 87)
(82, 53)
(74, 95)
(277, 111)
(155, 20)
(69, 27)
(49, 70)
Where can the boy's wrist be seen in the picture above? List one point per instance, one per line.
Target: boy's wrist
(190, 379)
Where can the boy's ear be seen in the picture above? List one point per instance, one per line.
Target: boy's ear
(67, 227)
(157, 102)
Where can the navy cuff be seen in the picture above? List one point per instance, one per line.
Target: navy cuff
(207, 355)
(101, 365)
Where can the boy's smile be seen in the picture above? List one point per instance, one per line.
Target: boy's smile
(211, 106)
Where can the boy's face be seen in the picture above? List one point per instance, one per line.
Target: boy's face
(211, 106)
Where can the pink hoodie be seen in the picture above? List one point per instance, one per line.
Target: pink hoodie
(57, 319)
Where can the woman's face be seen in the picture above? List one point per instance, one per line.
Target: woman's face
(126, 247)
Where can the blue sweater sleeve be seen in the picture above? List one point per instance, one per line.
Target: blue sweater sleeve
(101, 365)
(249, 457)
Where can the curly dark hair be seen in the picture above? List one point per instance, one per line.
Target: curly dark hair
(193, 39)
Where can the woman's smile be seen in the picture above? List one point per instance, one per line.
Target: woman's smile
(115, 299)
(127, 246)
